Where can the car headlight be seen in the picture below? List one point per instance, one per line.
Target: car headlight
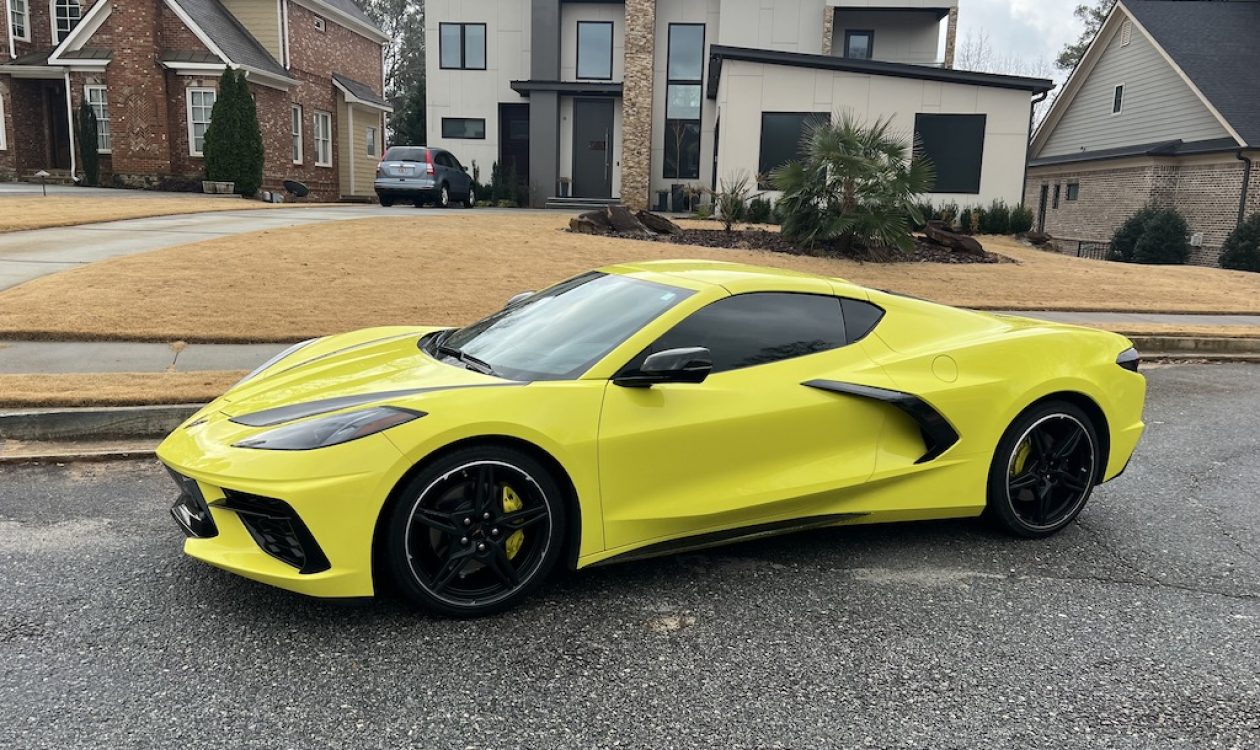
(331, 430)
(275, 359)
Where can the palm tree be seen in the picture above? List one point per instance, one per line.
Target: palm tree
(857, 186)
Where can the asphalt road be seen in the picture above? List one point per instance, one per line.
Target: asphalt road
(1137, 628)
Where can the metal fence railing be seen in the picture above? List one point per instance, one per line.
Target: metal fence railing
(1085, 248)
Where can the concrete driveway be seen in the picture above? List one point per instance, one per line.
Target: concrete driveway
(1139, 627)
(38, 252)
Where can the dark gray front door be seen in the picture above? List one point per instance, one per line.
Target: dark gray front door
(592, 148)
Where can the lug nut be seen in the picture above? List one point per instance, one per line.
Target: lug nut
(464, 540)
(468, 522)
(494, 532)
(481, 548)
(485, 516)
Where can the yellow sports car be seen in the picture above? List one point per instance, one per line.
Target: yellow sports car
(638, 410)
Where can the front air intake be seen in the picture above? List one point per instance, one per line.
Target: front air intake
(277, 529)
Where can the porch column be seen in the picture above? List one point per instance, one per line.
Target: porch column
(544, 106)
(636, 104)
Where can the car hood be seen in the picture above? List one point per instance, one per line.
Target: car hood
(352, 367)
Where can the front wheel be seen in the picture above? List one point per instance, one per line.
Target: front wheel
(444, 198)
(471, 200)
(476, 532)
(1044, 470)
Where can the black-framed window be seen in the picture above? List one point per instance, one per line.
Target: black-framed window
(1073, 191)
(595, 50)
(463, 127)
(1058, 191)
(859, 44)
(783, 138)
(683, 98)
(462, 46)
(955, 145)
(1117, 100)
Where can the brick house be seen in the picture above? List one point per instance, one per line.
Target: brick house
(1161, 109)
(150, 69)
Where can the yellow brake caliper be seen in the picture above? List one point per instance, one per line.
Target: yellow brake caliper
(512, 503)
(1021, 458)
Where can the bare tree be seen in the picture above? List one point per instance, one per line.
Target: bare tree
(976, 52)
(403, 21)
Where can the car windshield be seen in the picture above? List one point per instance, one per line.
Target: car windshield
(560, 332)
(406, 153)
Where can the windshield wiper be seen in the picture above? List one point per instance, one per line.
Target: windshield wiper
(469, 360)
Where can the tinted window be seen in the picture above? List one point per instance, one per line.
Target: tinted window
(955, 144)
(463, 127)
(782, 134)
(406, 153)
(859, 44)
(860, 318)
(560, 332)
(594, 49)
(462, 46)
(755, 329)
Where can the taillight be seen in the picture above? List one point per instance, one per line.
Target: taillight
(1129, 359)
(428, 164)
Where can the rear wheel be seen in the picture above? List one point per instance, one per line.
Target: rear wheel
(471, 200)
(444, 198)
(1044, 470)
(386, 201)
(476, 532)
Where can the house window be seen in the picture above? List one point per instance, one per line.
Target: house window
(65, 18)
(462, 46)
(19, 20)
(1117, 100)
(463, 127)
(99, 100)
(859, 45)
(1073, 191)
(683, 94)
(295, 126)
(955, 145)
(595, 50)
(319, 24)
(1058, 189)
(370, 135)
(322, 122)
(782, 138)
(200, 105)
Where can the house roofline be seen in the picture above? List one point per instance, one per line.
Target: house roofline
(1161, 148)
(85, 28)
(357, 25)
(352, 99)
(719, 53)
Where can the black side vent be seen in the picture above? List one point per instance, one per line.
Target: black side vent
(277, 529)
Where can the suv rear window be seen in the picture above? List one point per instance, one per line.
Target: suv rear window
(406, 153)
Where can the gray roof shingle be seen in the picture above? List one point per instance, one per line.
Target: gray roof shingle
(1215, 44)
(230, 36)
(360, 90)
(352, 8)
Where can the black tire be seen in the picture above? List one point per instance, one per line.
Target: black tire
(1044, 469)
(444, 197)
(386, 201)
(476, 532)
(470, 201)
(418, 202)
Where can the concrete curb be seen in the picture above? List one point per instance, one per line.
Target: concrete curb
(1197, 346)
(77, 455)
(99, 423)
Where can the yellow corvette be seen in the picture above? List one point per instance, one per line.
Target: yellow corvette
(638, 410)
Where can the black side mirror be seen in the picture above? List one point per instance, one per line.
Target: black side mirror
(690, 365)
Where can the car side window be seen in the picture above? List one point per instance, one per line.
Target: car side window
(441, 159)
(758, 328)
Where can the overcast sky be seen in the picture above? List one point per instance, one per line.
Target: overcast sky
(1021, 28)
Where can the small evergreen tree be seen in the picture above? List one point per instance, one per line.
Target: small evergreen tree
(1164, 240)
(89, 134)
(1021, 220)
(250, 165)
(1242, 249)
(1125, 239)
(997, 219)
(233, 148)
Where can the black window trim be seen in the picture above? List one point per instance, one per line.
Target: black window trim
(1058, 191)
(1117, 99)
(481, 120)
(1073, 192)
(870, 43)
(677, 172)
(463, 46)
(577, 52)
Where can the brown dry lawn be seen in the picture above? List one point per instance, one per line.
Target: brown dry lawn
(296, 283)
(39, 212)
(113, 389)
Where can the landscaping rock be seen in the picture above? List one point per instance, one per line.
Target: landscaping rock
(658, 223)
(1040, 239)
(623, 221)
(584, 224)
(598, 218)
(939, 232)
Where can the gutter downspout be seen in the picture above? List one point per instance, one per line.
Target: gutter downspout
(1032, 115)
(70, 118)
(1246, 185)
(8, 27)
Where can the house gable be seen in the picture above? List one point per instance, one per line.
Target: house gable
(1158, 102)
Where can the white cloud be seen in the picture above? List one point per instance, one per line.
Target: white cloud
(1026, 30)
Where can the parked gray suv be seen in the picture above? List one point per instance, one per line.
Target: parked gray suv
(423, 175)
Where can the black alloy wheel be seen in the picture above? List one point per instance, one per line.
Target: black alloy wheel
(476, 532)
(1044, 470)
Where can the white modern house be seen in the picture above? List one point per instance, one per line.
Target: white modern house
(635, 100)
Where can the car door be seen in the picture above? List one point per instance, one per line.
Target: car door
(751, 444)
(460, 180)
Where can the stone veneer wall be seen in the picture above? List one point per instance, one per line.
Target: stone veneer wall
(951, 37)
(828, 29)
(640, 53)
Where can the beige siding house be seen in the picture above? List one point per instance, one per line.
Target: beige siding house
(1162, 109)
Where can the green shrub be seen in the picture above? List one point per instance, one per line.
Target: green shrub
(1157, 236)
(760, 211)
(856, 186)
(971, 220)
(948, 213)
(921, 215)
(731, 200)
(1242, 250)
(996, 219)
(1021, 220)
(233, 149)
(88, 136)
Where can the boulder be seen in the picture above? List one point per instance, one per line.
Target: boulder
(585, 225)
(1038, 238)
(598, 218)
(623, 220)
(658, 223)
(939, 232)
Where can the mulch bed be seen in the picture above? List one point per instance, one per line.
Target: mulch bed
(760, 239)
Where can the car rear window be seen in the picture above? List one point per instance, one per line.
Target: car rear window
(406, 153)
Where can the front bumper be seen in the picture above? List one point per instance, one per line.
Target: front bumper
(299, 520)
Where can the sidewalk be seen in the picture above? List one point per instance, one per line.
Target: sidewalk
(37, 357)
